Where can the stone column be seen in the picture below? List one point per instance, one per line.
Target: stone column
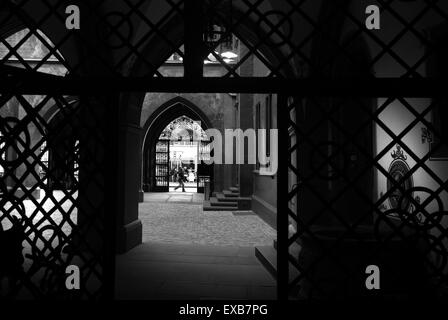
(141, 193)
(92, 216)
(129, 227)
(245, 121)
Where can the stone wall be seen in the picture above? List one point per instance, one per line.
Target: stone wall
(220, 110)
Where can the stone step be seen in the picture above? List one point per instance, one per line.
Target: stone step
(208, 207)
(267, 255)
(244, 203)
(216, 202)
(222, 197)
(294, 249)
(234, 189)
(228, 193)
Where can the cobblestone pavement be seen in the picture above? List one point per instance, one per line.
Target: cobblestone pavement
(167, 218)
(179, 218)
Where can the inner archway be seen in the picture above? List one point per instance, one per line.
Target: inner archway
(175, 138)
(180, 150)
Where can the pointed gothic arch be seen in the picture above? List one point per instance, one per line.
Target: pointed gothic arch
(156, 123)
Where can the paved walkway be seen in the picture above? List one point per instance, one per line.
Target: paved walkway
(189, 187)
(179, 218)
(174, 197)
(155, 271)
(189, 254)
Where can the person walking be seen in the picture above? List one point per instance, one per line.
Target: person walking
(181, 179)
(173, 174)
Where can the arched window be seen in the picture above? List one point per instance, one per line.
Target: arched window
(32, 51)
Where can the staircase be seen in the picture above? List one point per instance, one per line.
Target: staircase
(228, 200)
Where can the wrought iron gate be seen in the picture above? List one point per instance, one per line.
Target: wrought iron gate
(205, 171)
(341, 226)
(44, 231)
(329, 226)
(162, 166)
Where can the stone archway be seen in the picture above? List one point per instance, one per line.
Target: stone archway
(156, 49)
(153, 127)
(154, 52)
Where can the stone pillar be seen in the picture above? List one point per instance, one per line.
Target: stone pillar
(230, 115)
(314, 166)
(245, 121)
(129, 227)
(141, 193)
(89, 236)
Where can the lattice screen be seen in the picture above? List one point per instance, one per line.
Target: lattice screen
(362, 169)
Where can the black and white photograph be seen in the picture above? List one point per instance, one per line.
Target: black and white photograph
(232, 154)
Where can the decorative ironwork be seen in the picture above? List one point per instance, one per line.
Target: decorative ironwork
(399, 154)
(309, 62)
(45, 229)
(162, 166)
(397, 170)
(426, 135)
(185, 129)
(402, 230)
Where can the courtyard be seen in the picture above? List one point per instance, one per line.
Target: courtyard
(178, 218)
